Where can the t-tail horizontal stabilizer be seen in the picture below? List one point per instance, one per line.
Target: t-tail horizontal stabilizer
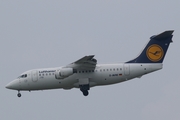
(156, 49)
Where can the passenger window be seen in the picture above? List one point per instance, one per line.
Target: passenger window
(39, 74)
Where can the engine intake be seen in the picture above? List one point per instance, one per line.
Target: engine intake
(64, 72)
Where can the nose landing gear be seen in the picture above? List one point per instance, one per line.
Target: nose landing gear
(19, 94)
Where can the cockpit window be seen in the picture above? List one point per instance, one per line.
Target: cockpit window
(23, 76)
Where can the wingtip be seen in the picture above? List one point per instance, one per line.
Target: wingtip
(90, 55)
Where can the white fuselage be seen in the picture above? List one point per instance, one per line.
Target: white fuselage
(103, 74)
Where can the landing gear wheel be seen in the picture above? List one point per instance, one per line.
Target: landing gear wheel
(84, 89)
(19, 94)
(85, 93)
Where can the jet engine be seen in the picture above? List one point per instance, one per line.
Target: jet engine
(64, 72)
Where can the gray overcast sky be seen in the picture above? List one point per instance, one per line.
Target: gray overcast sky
(51, 33)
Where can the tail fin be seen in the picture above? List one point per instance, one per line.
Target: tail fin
(156, 49)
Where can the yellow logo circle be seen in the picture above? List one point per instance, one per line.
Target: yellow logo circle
(154, 53)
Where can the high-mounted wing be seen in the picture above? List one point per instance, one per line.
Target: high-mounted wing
(85, 63)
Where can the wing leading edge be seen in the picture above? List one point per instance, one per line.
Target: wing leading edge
(85, 63)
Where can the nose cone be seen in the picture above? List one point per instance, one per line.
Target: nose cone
(13, 85)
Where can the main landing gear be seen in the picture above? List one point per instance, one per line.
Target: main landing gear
(84, 89)
(19, 94)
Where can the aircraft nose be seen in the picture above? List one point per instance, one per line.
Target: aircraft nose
(13, 85)
(9, 86)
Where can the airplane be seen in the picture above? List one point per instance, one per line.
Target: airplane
(85, 73)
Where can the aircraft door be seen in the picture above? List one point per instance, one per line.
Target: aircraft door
(126, 69)
(34, 75)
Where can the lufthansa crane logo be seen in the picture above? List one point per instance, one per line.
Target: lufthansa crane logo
(154, 53)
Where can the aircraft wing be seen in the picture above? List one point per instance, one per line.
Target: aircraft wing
(85, 63)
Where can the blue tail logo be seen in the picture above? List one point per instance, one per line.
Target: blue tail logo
(155, 53)
(156, 49)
